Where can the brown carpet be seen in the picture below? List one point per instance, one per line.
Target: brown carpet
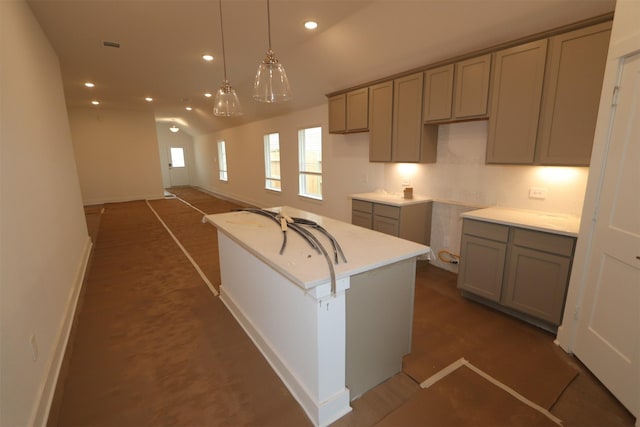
(464, 398)
(153, 345)
(448, 327)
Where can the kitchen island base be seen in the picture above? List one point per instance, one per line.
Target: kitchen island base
(322, 346)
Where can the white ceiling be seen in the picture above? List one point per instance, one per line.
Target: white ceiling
(357, 41)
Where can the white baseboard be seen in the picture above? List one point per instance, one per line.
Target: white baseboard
(40, 412)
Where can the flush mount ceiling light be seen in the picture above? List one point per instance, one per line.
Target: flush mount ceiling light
(174, 128)
(95, 102)
(148, 99)
(188, 108)
(271, 83)
(207, 57)
(208, 95)
(226, 102)
(89, 84)
(311, 25)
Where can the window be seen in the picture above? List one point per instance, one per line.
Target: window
(310, 151)
(177, 157)
(222, 161)
(272, 161)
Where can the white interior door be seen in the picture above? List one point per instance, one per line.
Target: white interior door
(178, 169)
(608, 332)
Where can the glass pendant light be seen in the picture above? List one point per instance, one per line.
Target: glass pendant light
(271, 83)
(226, 102)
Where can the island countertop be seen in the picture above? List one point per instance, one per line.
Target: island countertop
(364, 249)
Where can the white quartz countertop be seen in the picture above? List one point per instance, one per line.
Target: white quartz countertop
(364, 249)
(567, 225)
(393, 199)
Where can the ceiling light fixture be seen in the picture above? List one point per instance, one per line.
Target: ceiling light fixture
(174, 128)
(207, 57)
(271, 83)
(148, 99)
(89, 84)
(95, 102)
(208, 95)
(188, 108)
(311, 25)
(226, 103)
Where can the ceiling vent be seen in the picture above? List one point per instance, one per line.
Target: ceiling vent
(106, 43)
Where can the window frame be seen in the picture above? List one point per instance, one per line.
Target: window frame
(302, 172)
(269, 176)
(223, 166)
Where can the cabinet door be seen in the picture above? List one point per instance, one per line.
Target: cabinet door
(438, 93)
(407, 118)
(362, 219)
(386, 225)
(337, 114)
(380, 120)
(481, 266)
(516, 91)
(358, 110)
(575, 69)
(472, 87)
(536, 283)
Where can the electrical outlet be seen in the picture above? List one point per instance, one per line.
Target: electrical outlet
(34, 347)
(537, 193)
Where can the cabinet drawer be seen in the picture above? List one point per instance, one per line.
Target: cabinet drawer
(362, 206)
(386, 225)
(386, 210)
(546, 242)
(362, 219)
(488, 230)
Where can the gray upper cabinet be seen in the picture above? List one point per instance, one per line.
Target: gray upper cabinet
(515, 103)
(349, 112)
(571, 97)
(380, 121)
(337, 113)
(457, 91)
(472, 88)
(407, 118)
(396, 131)
(438, 91)
(358, 110)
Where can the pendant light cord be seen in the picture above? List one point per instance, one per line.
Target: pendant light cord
(224, 61)
(269, 23)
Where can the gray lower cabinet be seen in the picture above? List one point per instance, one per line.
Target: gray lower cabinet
(410, 222)
(524, 271)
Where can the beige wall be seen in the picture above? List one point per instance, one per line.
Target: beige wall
(346, 167)
(43, 236)
(117, 155)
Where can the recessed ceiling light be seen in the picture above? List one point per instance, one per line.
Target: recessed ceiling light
(89, 84)
(311, 25)
(148, 99)
(207, 57)
(95, 102)
(208, 95)
(188, 108)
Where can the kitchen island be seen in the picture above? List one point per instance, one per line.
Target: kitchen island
(328, 346)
